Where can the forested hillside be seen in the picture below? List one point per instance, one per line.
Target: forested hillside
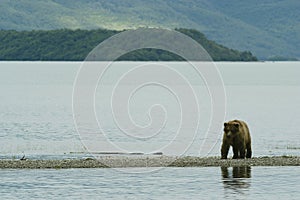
(74, 45)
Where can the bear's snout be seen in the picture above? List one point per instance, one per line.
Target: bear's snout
(228, 135)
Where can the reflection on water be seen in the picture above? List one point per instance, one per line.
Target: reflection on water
(168, 183)
(236, 179)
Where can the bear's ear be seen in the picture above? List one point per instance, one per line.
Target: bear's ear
(225, 124)
(236, 125)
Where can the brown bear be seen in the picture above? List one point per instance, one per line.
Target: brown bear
(237, 135)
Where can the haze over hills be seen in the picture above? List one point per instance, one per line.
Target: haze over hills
(267, 28)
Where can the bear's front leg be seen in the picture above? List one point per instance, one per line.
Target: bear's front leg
(235, 152)
(224, 151)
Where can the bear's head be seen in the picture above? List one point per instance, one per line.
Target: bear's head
(231, 128)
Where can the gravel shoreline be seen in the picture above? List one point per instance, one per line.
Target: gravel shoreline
(148, 161)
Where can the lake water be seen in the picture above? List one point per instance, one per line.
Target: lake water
(36, 119)
(168, 183)
(36, 115)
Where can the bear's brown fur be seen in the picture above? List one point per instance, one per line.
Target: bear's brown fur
(237, 135)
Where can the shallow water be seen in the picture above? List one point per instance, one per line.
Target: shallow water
(167, 183)
(36, 116)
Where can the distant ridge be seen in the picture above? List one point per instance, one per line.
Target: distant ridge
(74, 45)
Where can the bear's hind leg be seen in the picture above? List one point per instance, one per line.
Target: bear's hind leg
(242, 152)
(249, 150)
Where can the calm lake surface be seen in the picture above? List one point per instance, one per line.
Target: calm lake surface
(36, 115)
(168, 183)
(36, 119)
